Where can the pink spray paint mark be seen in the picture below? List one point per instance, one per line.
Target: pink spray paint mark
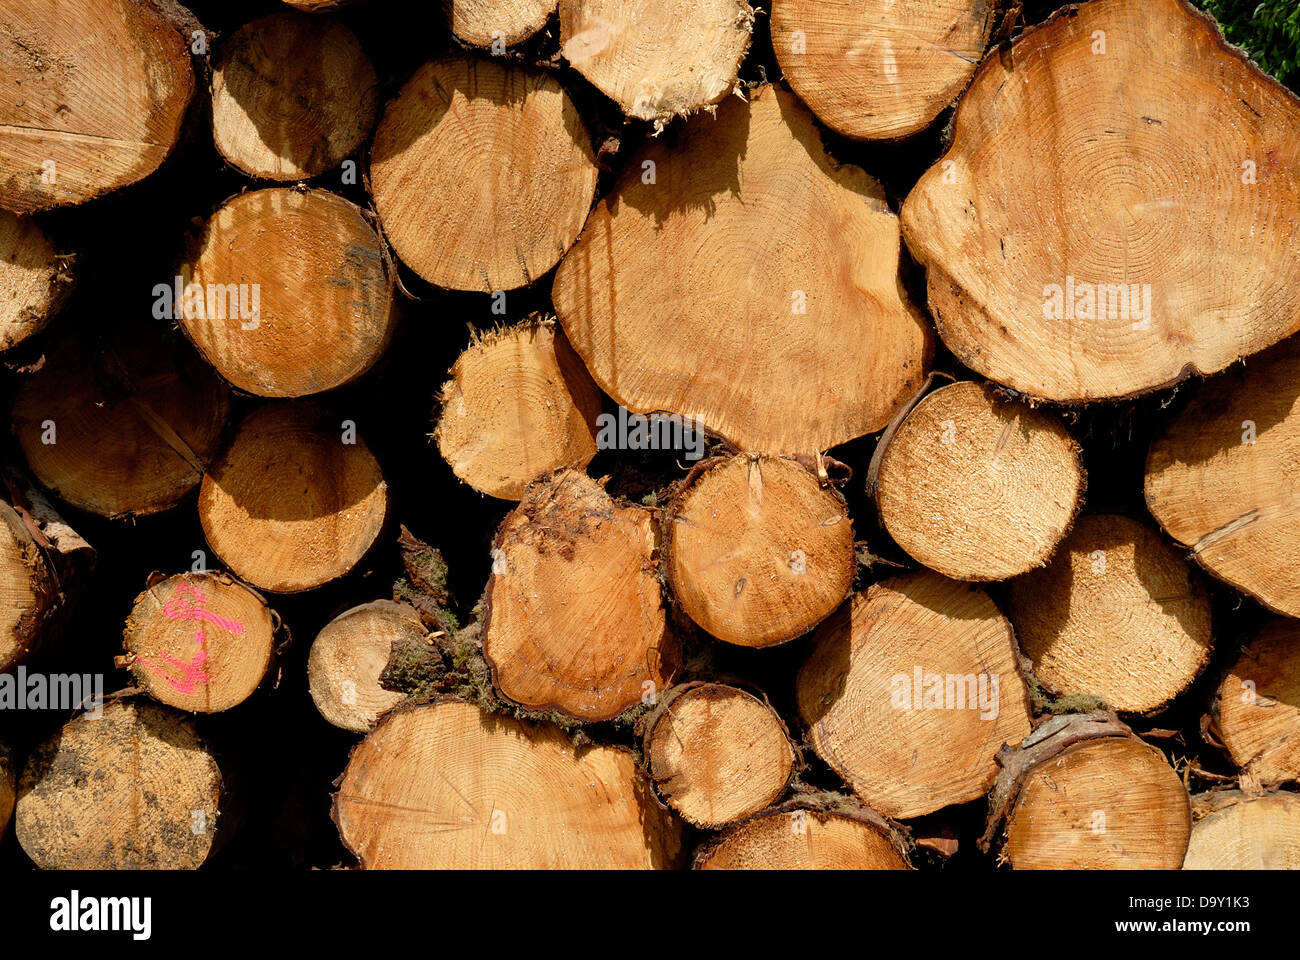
(178, 608)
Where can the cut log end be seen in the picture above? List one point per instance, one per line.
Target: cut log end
(798, 837)
(289, 292)
(455, 212)
(977, 488)
(520, 404)
(292, 95)
(120, 429)
(268, 516)
(35, 279)
(348, 656)
(657, 60)
(1118, 614)
(447, 786)
(717, 754)
(758, 552)
(493, 24)
(1258, 712)
(90, 117)
(877, 70)
(200, 642)
(786, 359)
(575, 620)
(135, 788)
(1233, 830)
(911, 691)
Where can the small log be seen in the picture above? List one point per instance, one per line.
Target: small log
(716, 753)
(520, 404)
(496, 24)
(911, 690)
(348, 657)
(1257, 707)
(120, 428)
(293, 502)
(134, 789)
(35, 279)
(1118, 614)
(657, 59)
(806, 836)
(758, 551)
(445, 785)
(1233, 830)
(292, 95)
(482, 174)
(314, 286)
(976, 487)
(574, 617)
(201, 642)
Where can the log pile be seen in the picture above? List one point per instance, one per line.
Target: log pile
(678, 435)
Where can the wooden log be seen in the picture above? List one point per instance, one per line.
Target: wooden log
(804, 836)
(819, 346)
(1118, 614)
(314, 287)
(911, 690)
(292, 96)
(123, 427)
(348, 656)
(135, 789)
(1094, 232)
(1256, 712)
(1233, 830)
(657, 60)
(716, 753)
(496, 24)
(482, 174)
(876, 70)
(7, 782)
(80, 118)
(35, 279)
(201, 642)
(41, 561)
(1083, 793)
(1221, 480)
(519, 404)
(318, 6)
(295, 501)
(447, 786)
(975, 486)
(574, 620)
(758, 551)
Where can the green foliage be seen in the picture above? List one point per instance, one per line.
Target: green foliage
(1268, 31)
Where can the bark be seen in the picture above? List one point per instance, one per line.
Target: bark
(1256, 713)
(349, 656)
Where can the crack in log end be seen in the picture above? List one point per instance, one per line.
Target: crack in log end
(1227, 530)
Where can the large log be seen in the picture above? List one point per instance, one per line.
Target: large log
(662, 298)
(447, 786)
(1234, 830)
(134, 789)
(910, 692)
(808, 836)
(482, 174)
(92, 96)
(1095, 231)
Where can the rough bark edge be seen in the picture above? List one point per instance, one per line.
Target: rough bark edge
(1048, 740)
(646, 726)
(672, 657)
(281, 639)
(193, 245)
(1004, 50)
(61, 284)
(823, 806)
(642, 788)
(1248, 778)
(819, 465)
